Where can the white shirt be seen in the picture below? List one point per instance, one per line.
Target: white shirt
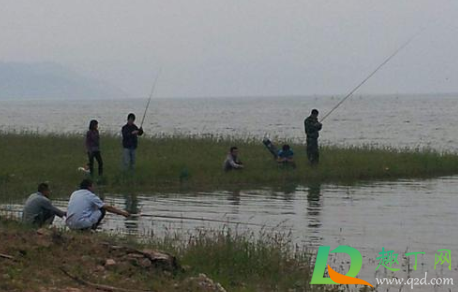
(83, 209)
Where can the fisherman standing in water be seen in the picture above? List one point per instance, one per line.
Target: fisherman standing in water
(130, 133)
(312, 127)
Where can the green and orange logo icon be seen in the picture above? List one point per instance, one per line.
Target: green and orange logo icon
(335, 277)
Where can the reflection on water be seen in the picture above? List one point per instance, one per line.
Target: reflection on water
(403, 216)
(314, 205)
(131, 206)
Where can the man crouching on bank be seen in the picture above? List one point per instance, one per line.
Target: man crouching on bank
(38, 209)
(86, 210)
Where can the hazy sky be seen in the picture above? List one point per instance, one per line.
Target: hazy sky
(240, 47)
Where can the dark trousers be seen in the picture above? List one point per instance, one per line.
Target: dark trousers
(46, 217)
(98, 157)
(313, 153)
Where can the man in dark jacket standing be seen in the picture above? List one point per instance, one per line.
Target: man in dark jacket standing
(312, 127)
(130, 133)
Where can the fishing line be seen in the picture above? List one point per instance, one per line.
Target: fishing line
(205, 220)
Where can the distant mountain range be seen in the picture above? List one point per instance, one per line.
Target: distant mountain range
(50, 80)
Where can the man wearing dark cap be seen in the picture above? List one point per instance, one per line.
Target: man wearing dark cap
(312, 128)
(38, 209)
(130, 133)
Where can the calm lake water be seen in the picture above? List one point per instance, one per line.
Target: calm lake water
(403, 216)
(408, 121)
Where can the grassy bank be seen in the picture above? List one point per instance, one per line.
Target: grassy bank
(172, 163)
(237, 262)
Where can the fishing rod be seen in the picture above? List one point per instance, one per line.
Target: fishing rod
(187, 218)
(206, 220)
(151, 95)
(372, 74)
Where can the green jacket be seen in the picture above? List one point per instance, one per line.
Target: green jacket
(312, 127)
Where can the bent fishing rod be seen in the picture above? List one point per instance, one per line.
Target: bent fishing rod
(151, 96)
(372, 74)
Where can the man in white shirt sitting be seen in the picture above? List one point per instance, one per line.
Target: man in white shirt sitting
(86, 210)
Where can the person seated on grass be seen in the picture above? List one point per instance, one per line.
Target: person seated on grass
(38, 209)
(286, 155)
(86, 210)
(232, 161)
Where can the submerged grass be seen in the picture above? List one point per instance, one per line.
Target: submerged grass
(239, 262)
(171, 163)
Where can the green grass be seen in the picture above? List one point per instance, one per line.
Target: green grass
(163, 162)
(239, 262)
